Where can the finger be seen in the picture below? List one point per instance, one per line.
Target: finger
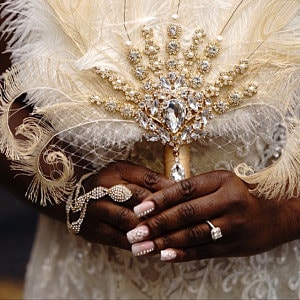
(179, 217)
(107, 211)
(193, 236)
(220, 248)
(139, 193)
(182, 191)
(139, 175)
(105, 234)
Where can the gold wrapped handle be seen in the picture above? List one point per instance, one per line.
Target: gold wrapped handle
(183, 159)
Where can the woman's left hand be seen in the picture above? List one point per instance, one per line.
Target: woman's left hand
(178, 214)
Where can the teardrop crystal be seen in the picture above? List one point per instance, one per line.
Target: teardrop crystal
(177, 172)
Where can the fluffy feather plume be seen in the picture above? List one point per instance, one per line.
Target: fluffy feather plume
(56, 45)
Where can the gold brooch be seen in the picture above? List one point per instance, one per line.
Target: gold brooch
(172, 101)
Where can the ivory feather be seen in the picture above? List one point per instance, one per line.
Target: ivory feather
(56, 44)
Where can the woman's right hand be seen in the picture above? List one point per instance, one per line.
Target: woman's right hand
(107, 222)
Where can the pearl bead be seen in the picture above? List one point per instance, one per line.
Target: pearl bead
(128, 43)
(219, 38)
(174, 16)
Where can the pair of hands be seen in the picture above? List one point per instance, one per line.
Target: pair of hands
(179, 210)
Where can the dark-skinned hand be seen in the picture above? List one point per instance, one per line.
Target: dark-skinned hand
(106, 221)
(249, 225)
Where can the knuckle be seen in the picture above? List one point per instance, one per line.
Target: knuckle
(164, 242)
(123, 218)
(158, 224)
(188, 211)
(185, 187)
(196, 234)
(140, 194)
(151, 178)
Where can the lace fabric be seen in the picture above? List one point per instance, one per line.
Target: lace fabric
(65, 266)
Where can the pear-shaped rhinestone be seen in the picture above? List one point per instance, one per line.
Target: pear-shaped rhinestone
(177, 172)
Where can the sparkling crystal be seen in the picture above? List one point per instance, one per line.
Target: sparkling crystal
(111, 105)
(142, 119)
(197, 81)
(140, 72)
(174, 114)
(173, 47)
(192, 101)
(171, 63)
(199, 33)
(164, 134)
(186, 133)
(165, 83)
(199, 96)
(154, 107)
(204, 120)
(221, 106)
(148, 99)
(195, 136)
(173, 30)
(236, 98)
(177, 172)
(151, 137)
(212, 50)
(197, 125)
(208, 102)
(184, 94)
(142, 104)
(172, 76)
(127, 111)
(179, 82)
(147, 86)
(151, 125)
(204, 65)
(188, 115)
(134, 56)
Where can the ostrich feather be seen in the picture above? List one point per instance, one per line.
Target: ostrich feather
(56, 45)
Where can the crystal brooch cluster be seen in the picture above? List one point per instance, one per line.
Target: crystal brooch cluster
(171, 100)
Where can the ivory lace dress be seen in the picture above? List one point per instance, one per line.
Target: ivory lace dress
(73, 59)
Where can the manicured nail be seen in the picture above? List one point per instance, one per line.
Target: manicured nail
(144, 208)
(142, 248)
(167, 254)
(138, 234)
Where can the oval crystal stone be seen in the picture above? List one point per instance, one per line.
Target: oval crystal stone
(174, 114)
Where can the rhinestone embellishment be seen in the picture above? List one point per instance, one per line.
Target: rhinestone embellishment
(171, 100)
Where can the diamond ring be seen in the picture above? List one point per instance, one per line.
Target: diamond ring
(215, 231)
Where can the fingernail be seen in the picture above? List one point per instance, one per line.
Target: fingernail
(137, 234)
(144, 208)
(142, 248)
(167, 254)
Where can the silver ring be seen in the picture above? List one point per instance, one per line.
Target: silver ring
(215, 232)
